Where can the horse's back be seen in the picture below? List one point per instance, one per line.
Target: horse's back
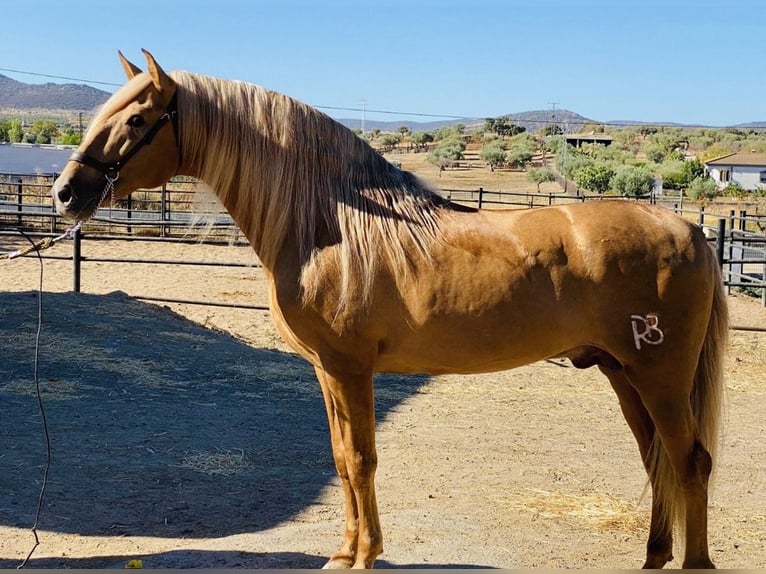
(510, 287)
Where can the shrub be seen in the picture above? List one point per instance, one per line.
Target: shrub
(702, 188)
(633, 181)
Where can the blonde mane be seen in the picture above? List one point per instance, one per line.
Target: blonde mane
(287, 172)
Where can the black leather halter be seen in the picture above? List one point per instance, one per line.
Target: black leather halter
(112, 169)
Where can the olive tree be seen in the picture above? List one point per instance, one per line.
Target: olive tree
(493, 153)
(540, 175)
(449, 151)
(633, 181)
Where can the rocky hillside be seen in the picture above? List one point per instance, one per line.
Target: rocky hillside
(21, 96)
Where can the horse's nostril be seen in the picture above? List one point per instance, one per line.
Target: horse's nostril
(64, 194)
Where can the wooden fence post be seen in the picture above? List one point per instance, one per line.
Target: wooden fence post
(481, 196)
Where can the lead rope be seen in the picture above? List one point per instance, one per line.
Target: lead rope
(34, 247)
(41, 245)
(37, 247)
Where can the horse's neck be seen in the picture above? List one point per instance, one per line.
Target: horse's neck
(264, 184)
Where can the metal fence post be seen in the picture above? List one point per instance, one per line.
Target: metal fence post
(720, 240)
(763, 272)
(129, 228)
(20, 196)
(481, 196)
(163, 208)
(730, 250)
(76, 259)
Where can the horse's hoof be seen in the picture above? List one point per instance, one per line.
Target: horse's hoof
(657, 561)
(338, 564)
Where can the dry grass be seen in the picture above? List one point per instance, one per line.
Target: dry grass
(219, 463)
(58, 390)
(602, 510)
(515, 181)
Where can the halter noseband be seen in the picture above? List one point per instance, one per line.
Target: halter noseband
(112, 170)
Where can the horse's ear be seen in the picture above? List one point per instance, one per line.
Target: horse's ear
(131, 70)
(161, 80)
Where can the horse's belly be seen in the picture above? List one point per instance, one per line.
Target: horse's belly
(461, 349)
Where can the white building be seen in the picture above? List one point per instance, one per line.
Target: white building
(748, 170)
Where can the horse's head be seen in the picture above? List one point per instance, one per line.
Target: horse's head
(131, 144)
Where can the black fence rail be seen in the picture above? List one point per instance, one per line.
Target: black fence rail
(166, 214)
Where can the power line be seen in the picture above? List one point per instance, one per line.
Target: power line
(394, 113)
(59, 77)
(365, 110)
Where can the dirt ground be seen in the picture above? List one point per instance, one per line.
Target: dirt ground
(189, 436)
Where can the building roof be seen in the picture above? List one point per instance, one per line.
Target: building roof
(589, 137)
(739, 158)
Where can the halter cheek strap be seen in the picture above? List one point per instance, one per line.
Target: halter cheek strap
(112, 170)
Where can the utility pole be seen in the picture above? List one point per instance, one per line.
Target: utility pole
(553, 123)
(364, 113)
(563, 148)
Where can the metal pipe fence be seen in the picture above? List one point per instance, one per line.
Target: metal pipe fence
(165, 214)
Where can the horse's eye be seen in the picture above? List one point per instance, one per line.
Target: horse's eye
(135, 121)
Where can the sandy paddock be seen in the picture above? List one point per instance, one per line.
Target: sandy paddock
(189, 436)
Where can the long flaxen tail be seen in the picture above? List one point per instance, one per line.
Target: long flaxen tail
(706, 402)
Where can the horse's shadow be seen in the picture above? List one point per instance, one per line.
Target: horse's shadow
(159, 427)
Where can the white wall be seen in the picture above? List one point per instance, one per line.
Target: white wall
(748, 177)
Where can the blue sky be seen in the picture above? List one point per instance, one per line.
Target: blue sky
(653, 61)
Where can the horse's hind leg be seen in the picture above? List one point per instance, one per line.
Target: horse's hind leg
(685, 483)
(659, 548)
(351, 416)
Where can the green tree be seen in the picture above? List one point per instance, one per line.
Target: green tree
(692, 170)
(71, 137)
(503, 126)
(632, 181)
(493, 153)
(449, 151)
(421, 139)
(4, 125)
(551, 130)
(595, 177)
(678, 174)
(389, 141)
(703, 188)
(45, 131)
(519, 154)
(540, 175)
(15, 131)
(655, 153)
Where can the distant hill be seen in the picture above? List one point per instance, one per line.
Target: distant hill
(50, 100)
(533, 121)
(79, 97)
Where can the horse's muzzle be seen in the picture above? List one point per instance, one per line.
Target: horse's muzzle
(69, 203)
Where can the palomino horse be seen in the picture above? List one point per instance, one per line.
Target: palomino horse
(372, 271)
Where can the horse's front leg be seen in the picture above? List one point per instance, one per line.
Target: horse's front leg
(351, 415)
